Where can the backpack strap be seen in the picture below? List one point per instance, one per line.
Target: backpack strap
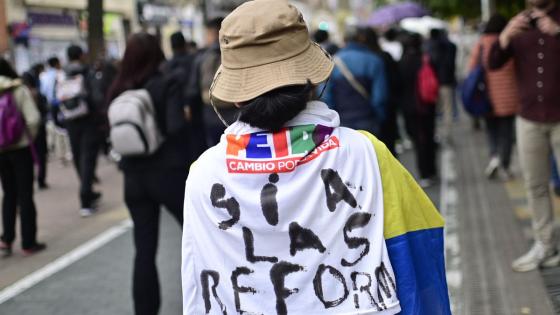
(350, 77)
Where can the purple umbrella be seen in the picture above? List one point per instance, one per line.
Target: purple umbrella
(395, 12)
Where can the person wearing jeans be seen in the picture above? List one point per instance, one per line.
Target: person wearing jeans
(16, 169)
(504, 96)
(532, 40)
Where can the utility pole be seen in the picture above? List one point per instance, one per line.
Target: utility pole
(488, 7)
(96, 42)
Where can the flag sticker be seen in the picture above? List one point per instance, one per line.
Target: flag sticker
(279, 152)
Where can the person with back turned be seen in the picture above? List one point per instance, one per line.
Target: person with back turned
(290, 213)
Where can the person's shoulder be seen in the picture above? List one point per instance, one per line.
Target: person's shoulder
(206, 166)
(360, 140)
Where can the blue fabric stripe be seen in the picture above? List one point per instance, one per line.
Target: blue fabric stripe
(419, 265)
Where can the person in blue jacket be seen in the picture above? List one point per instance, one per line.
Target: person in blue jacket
(358, 110)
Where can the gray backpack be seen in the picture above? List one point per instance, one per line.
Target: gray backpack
(134, 128)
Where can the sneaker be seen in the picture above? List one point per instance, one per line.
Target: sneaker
(6, 249)
(539, 255)
(492, 167)
(34, 250)
(505, 175)
(87, 212)
(426, 182)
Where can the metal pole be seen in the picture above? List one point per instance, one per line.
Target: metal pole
(488, 7)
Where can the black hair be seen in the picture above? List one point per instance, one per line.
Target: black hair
(496, 24)
(177, 41)
(321, 36)
(192, 45)
(215, 23)
(436, 33)
(53, 62)
(391, 34)
(372, 40)
(6, 69)
(412, 42)
(272, 110)
(38, 67)
(74, 52)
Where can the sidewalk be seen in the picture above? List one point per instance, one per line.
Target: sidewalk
(490, 235)
(59, 223)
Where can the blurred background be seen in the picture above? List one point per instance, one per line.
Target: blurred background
(87, 267)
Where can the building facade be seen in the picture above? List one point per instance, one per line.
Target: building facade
(39, 29)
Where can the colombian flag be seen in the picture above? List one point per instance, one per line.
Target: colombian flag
(414, 237)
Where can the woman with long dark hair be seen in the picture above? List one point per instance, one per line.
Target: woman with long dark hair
(16, 163)
(156, 180)
(502, 90)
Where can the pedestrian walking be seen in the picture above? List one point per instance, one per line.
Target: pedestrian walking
(322, 37)
(291, 213)
(532, 40)
(504, 96)
(19, 121)
(389, 131)
(420, 117)
(84, 123)
(391, 43)
(181, 66)
(150, 180)
(443, 54)
(102, 76)
(358, 89)
(32, 80)
(204, 68)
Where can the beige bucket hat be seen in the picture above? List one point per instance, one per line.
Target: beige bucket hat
(265, 45)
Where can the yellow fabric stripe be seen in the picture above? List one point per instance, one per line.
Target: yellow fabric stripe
(407, 208)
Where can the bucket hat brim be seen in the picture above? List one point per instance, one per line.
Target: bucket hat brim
(244, 84)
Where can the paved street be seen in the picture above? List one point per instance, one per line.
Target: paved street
(89, 261)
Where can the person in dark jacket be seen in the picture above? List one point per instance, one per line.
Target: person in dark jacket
(443, 54)
(419, 117)
(102, 76)
(181, 67)
(321, 37)
(156, 180)
(33, 83)
(389, 132)
(84, 133)
(198, 97)
(16, 169)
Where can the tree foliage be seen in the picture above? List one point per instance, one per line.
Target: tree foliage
(471, 8)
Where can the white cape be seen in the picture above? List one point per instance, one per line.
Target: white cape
(274, 226)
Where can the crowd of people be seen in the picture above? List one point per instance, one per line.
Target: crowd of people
(376, 82)
(394, 87)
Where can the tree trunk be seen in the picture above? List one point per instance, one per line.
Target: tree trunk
(488, 8)
(96, 42)
(4, 36)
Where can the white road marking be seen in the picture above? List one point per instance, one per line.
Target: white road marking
(65, 261)
(449, 200)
